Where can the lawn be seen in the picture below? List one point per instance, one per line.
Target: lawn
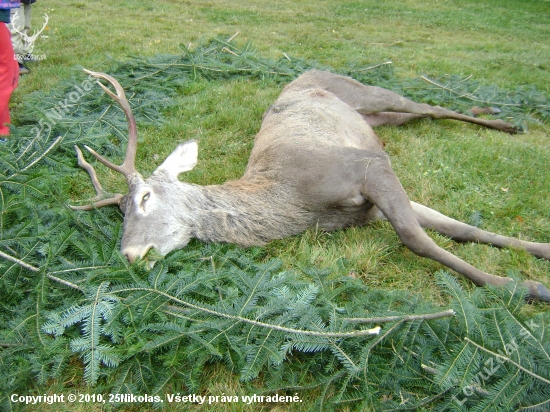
(487, 178)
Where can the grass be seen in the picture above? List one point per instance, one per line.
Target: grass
(461, 170)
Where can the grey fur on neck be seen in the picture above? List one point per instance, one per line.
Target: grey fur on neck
(252, 217)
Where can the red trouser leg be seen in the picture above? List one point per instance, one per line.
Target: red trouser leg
(9, 75)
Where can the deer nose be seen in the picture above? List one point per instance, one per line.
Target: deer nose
(131, 258)
(135, 252)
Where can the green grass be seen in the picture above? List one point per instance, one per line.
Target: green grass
(461, 170)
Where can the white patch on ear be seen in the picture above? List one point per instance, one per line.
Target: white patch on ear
(182, 159)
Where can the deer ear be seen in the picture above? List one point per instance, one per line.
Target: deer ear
(182, 159)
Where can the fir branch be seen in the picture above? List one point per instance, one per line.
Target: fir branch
(467, 95)
(82, 268)
(524, 331)
(507, 359)
(367, 351)
(538, 407)
(10, 345)
(373, 331)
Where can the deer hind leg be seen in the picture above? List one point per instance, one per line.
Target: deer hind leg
(368, 100)
(388, 101)
(391, 118)
(398, 119)
(462, 232)
(383, 189)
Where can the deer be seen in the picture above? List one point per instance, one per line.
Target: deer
(316, 163)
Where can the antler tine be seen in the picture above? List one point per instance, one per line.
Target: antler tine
(97, 186)
(128, 166)
(115, 200)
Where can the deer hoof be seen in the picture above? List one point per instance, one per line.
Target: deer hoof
(507, 127)
(537, 291)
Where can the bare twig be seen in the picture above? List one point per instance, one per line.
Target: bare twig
(35, 269)
(407, 318)
(233, 37)
(373, 331)
(43, 155)
(225, 49)
(429, 369)
(63, 282)
(19, 262)
(375, 66)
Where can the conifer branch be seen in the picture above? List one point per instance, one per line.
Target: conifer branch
(507, 359)
(467, 95)
(373, 331)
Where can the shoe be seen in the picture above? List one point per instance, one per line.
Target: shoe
(23, 69)
(3, 139)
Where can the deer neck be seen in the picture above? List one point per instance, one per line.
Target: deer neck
(245, 214)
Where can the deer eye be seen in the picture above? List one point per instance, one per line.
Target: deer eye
(143, 205)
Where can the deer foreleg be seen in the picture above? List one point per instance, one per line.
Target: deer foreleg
(383, 189)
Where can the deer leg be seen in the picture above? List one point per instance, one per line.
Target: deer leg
(387, 101)
(391, 118)
(431, 219)
(372, 99)
(398, 119)
(383, 189)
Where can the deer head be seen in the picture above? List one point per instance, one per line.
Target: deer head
(152, 203)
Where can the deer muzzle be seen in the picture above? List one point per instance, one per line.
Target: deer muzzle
(133, 253)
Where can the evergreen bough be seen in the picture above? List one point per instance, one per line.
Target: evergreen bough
(67, 293)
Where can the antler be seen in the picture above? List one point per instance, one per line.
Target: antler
(127, 167)
(96, 201)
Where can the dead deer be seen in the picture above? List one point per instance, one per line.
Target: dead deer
(316, 162)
